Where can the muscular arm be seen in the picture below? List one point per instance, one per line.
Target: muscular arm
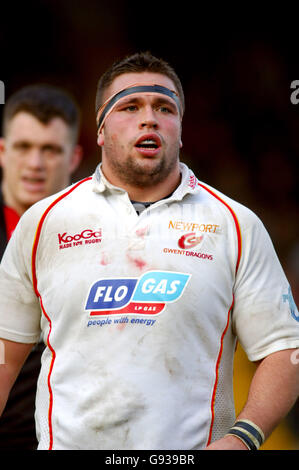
(273, 391)
(13, 356)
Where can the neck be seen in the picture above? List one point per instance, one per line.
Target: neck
(9, 201)
(149, 193)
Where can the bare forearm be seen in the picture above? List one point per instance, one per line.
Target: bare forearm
(273, 391)
(13, 357)
(5, 382)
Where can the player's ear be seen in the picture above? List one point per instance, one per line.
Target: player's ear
(100, 139)
(2, 147)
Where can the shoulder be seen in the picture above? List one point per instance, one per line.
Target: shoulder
(42, 207)
(33, 219)
(241, 213)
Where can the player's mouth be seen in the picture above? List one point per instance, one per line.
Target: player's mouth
(148, 145)
(33, 183)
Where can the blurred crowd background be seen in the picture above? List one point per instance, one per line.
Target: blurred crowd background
(240, 131)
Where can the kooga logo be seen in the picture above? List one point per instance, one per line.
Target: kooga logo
(85, 237)
(85, 234)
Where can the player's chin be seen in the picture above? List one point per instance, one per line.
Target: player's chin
(149, 167)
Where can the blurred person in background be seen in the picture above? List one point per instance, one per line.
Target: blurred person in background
(38, 154)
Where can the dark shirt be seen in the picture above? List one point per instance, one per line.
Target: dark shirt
(17, 424)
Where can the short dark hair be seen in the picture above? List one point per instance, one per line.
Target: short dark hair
(138, 62)
(45, 102)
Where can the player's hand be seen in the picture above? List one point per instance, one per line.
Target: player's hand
(227, 443)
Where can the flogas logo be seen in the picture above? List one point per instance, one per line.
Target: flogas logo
(145, 295)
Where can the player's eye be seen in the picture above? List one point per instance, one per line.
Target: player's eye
(22, 146)
(52, 149)
(128, 107)
(131, 108)
(164, 109)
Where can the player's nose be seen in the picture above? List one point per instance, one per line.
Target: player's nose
(148, 118)
(35, 158)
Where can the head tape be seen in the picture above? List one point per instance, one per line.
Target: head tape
(107, 107)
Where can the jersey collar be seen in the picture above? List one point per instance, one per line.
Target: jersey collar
(188, 185)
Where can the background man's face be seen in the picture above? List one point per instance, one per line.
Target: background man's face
(37, 159)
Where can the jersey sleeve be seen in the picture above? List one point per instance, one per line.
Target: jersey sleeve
(265, 317)
(19, 306)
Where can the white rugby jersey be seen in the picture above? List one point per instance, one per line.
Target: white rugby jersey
(140, 314)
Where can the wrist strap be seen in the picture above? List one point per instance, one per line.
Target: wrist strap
(249, 433)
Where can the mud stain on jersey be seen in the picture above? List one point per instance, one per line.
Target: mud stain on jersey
(173, 366)
(112, 412)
